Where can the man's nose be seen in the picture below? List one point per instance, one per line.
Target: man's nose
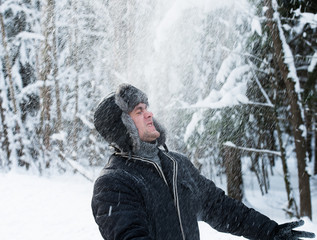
(148, 114)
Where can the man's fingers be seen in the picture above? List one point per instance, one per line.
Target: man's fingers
(296, 224)
(303, 234)
(285, 231)
(290, 225)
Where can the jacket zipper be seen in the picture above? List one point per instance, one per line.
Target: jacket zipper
(176, 200)
(160, 171)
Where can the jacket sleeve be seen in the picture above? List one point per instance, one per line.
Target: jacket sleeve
(226, 214)
(118, 209)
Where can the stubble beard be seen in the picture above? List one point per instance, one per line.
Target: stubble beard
(150, 136)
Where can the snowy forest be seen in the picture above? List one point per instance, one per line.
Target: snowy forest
(233, 82)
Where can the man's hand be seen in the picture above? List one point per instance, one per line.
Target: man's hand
(285, 231)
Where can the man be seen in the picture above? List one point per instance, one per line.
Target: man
(146, 193)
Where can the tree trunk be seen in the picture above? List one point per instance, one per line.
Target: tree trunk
(315, 162)
(296, 110)
(8, 63)
(3, 111)
(55, 72)
(46, 68)
(315, 119)
(5, 144)
(8, 66)
(75, 50)
(260, 172)
(312, 107)
(309, 127)
(292, 206)
(58, 124)
(234, 172)
(255, 169)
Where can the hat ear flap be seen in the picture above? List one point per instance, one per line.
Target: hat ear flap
(132, 131)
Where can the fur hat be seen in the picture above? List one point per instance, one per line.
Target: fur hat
(112, 120)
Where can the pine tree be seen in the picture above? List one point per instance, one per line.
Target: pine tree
(12, 96)
(292, 84)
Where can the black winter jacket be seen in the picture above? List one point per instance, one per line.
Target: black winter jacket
(136, 199)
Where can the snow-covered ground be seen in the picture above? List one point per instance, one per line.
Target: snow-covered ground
(58, 208)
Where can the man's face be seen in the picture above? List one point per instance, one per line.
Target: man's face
(143, 120)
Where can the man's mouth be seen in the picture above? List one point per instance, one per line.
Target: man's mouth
(150, 124)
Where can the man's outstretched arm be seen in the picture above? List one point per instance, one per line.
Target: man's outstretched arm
(231, 216)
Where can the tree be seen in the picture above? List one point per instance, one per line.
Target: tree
(4, 136)
(46, 69)
(274, 127)
(5, 161)
(232, 130)
(22, 161)
(284, 58)
(292, 209)
(58, 124)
